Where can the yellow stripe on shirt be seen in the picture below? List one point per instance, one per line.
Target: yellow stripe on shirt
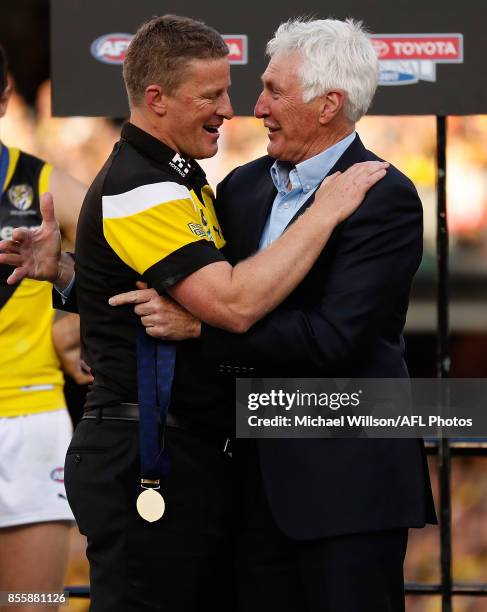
(145, 225)
(141, 198)
(143, 239)
(13, 158)
(44, 178)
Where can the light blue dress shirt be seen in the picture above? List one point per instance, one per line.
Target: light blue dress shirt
(305, 179)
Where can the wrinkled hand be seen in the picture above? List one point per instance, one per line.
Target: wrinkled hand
(35, 252)
(161, 316)
(341, 193)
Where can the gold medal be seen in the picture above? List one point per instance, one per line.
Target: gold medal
(150, 505)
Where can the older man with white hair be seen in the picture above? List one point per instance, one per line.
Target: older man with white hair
(324, 522)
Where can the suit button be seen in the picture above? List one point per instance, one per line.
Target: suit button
(77, 458)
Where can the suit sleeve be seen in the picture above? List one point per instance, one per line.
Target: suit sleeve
(221, 194)
(368, 279)
(70, 305)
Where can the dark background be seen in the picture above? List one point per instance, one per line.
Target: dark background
(85, 86)
(24, 33)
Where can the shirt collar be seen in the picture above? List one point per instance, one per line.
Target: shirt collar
(312, 171)
(161, 153)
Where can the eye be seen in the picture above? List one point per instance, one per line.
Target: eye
(213, 95)
(272, 90)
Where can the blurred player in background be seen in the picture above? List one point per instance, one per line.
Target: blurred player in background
(35, 428)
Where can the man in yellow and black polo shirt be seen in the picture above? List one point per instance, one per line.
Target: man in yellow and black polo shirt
(149, 216)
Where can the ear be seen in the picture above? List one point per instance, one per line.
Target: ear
(331, 105)
(155, 99)
(4, 98)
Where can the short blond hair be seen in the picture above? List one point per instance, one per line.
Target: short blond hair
(161, 49)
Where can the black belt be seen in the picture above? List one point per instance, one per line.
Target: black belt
(120, 412)
(130, 412)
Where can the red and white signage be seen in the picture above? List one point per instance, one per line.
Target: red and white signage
(111, 48)
(237, 46)
(408, 58)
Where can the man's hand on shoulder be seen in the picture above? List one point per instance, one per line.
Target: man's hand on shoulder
(341, 193)
(161, 316)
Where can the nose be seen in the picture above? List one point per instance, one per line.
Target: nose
(225, 108)
(261, 109)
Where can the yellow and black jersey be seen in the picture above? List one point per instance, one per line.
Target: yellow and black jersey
(30, 378)
(148, 215)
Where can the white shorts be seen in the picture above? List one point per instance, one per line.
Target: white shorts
(32, 453)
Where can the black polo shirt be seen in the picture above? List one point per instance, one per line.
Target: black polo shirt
(149, 216)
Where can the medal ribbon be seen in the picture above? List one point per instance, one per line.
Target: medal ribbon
(155, 373)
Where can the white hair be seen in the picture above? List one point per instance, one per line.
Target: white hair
(336, 55)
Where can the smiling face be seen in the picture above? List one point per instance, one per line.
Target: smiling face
(293, 125)
(198, 108)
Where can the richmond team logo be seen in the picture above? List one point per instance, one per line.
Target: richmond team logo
(111, 48)
(21, 196)
(406, 59)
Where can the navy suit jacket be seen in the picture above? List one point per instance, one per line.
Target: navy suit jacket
(345, 319)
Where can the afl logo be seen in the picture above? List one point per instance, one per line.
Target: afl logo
(111, 48)
(380, 47)
(21, 196)
(58, 474)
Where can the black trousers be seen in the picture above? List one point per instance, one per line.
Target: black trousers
(350, 573)
(182, 562)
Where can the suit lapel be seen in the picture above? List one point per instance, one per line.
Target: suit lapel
(257, 210)
(355, 153)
